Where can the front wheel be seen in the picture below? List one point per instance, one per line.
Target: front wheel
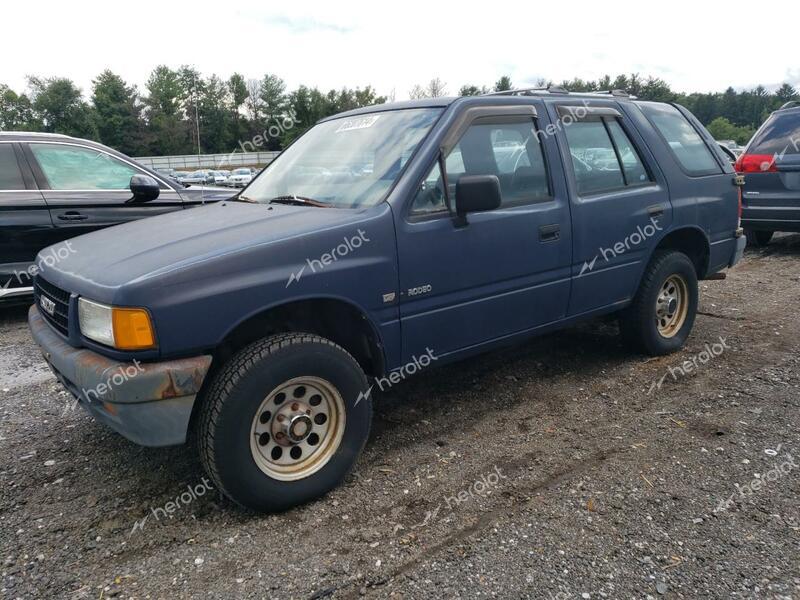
(284, 421)
(662, 313)
(758, 239)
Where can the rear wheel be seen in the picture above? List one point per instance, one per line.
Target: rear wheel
(284, 421)
(758, 239)
(662, 313)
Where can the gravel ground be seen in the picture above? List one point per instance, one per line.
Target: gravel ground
(564, 468)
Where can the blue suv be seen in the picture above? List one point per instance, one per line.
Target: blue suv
(384, 241)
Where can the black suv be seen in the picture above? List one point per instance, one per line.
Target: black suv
(771, 164)
(54, 187)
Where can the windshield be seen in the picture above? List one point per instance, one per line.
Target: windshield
(242, 172)
(347, 162)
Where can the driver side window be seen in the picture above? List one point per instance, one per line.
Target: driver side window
(508, 149)
(81, 168)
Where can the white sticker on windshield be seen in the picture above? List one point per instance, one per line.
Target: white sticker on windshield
(358, 123)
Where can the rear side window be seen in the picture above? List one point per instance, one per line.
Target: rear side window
(603, 156)
(682, 138)
(780, 135)
(10, 174)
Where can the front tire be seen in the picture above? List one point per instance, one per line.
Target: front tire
(284, 421)
(758, 239)
(662, 313)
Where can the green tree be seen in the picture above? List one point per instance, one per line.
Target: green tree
(167, 131)
(471, 90)
(722, 129)
(60, 107)
(16, 111)
(118, 112)
(503, 84)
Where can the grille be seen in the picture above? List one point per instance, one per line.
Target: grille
(60, 317)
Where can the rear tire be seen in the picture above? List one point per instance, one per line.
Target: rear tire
(662, 313)
(758, 239)
(284, 421)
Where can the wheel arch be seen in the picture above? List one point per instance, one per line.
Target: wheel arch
(690, 240)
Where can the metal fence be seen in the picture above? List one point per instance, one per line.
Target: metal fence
(208, 161)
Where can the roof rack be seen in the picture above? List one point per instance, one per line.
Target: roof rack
(790, 104)
(620, 93)
(532, 91)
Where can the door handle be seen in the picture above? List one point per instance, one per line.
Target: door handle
(549, 233)
(656, 210)
(73, 216)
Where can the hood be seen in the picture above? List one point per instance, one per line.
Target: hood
(128, 253)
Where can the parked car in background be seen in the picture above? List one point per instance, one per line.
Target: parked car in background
(201, 176)
(270, 320)
(240, 177)
(771, 166)
(220, 177)
(171, 173)
(54, 187)
(181, 175)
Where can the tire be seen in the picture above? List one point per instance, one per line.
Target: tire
(641, 325)
(304, 368)
(758, 239)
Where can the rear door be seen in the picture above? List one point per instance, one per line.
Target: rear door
(619, 198)
(772, 182)
(25, 225)
(87, 188)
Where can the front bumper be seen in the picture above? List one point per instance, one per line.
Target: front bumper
(148, 403)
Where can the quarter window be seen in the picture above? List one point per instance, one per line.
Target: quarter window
(682, 138)
(510, 150)
(10, 174)
(80, 168)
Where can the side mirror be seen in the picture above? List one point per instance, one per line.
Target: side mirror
(144, 188)
(477, 193)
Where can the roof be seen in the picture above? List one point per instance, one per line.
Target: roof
(21, 135)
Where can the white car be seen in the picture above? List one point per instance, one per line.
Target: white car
(240, 178)
(221, 177)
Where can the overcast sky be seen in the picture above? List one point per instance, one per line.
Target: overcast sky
(693, 45)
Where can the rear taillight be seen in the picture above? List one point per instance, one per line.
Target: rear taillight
(756, 163)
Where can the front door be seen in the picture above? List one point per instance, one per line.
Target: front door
(87, 189)
(464, 282)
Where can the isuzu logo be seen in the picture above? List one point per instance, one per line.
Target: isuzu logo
(48, 305)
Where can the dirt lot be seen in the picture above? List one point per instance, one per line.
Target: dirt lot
(565, 468)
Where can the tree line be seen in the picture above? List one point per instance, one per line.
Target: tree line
(176, 104)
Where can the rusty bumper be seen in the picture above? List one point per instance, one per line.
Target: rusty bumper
(148, 403)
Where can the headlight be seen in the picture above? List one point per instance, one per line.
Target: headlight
(120, 328)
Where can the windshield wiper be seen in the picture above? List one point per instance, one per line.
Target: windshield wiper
(299, 201)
